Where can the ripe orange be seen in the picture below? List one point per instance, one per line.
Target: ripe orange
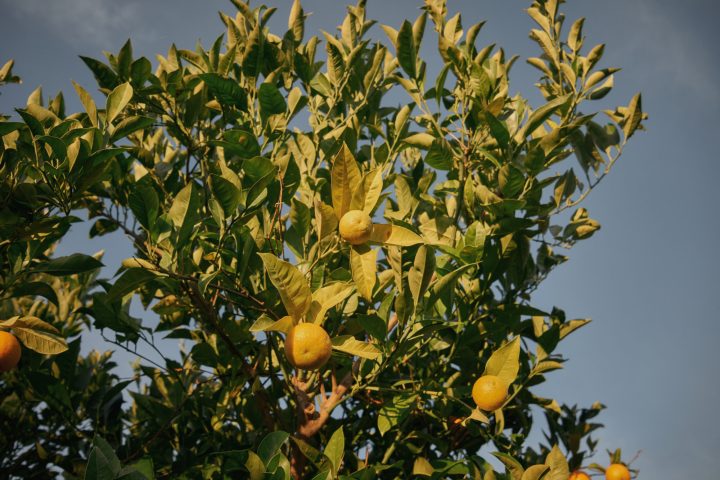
(489, 392)
(617, 471)
(308, 346)
(9, 351)
(578, 475)
(356, 227)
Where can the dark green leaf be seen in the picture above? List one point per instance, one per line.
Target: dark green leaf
(69, 265)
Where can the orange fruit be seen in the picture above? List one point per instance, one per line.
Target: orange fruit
(617, 471)
(578, 475)
(9, 351)
(356, 227)
(308, 346)
(489, 392)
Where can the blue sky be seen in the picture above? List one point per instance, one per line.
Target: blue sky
(649, 278)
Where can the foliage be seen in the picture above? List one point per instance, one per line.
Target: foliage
(229, 169)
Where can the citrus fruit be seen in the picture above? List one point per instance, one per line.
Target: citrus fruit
(308, 346)
(9, 351)
(617, 471)
(489, 392)
(579, 476)
(356, 227)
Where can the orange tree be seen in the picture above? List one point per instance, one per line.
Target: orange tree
(349, 281)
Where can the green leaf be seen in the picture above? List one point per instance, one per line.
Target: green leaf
(239, 142)
(145, 205)
(394, 411)
(103, 463)
(445, 283)
(184, 212)
(226, 193)
(9, 127)
(420, 273)
(69, 265)
(335, 449)
(145, 467)
(352, 346)
(345, 176)
(130, 125)
(104, 75)
(291, 284)
(117, 101)
(36, 289)
(36, 334)
(498, 130)
(129, 281)
(259, 173)
(539, 116)
(270, 445)
(505, 361)
(271, 100)
(406, 49)
(439, 156)
(363, 262)
(225, 90)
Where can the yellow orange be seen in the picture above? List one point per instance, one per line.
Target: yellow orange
(9, 351)
(356, 227)
(308, 346)
(489, 392)
(617, 471)
(578, 475)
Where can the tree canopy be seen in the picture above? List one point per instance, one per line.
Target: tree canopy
(267, 182)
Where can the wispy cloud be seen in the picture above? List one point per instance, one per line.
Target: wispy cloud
(80, 22)
(672, 50)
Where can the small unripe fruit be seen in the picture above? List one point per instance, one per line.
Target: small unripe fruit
(489, 392)
(617, 471)
(9, 351)
(356, 227)
(579, 476)
(308, 346)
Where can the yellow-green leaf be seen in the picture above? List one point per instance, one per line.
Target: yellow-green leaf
(326, 298)
(117, 101)
(325, 218)
(390, 234)
(505, 361)
(478, 416)
(513, 466)
(291, 284)
(344, 178)
(350, 345)
(535, 472)
(422, 467)
(634, 116)
(267, 324)
(37, 335)
(368, 191)
(556, 461)
(363, 262)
